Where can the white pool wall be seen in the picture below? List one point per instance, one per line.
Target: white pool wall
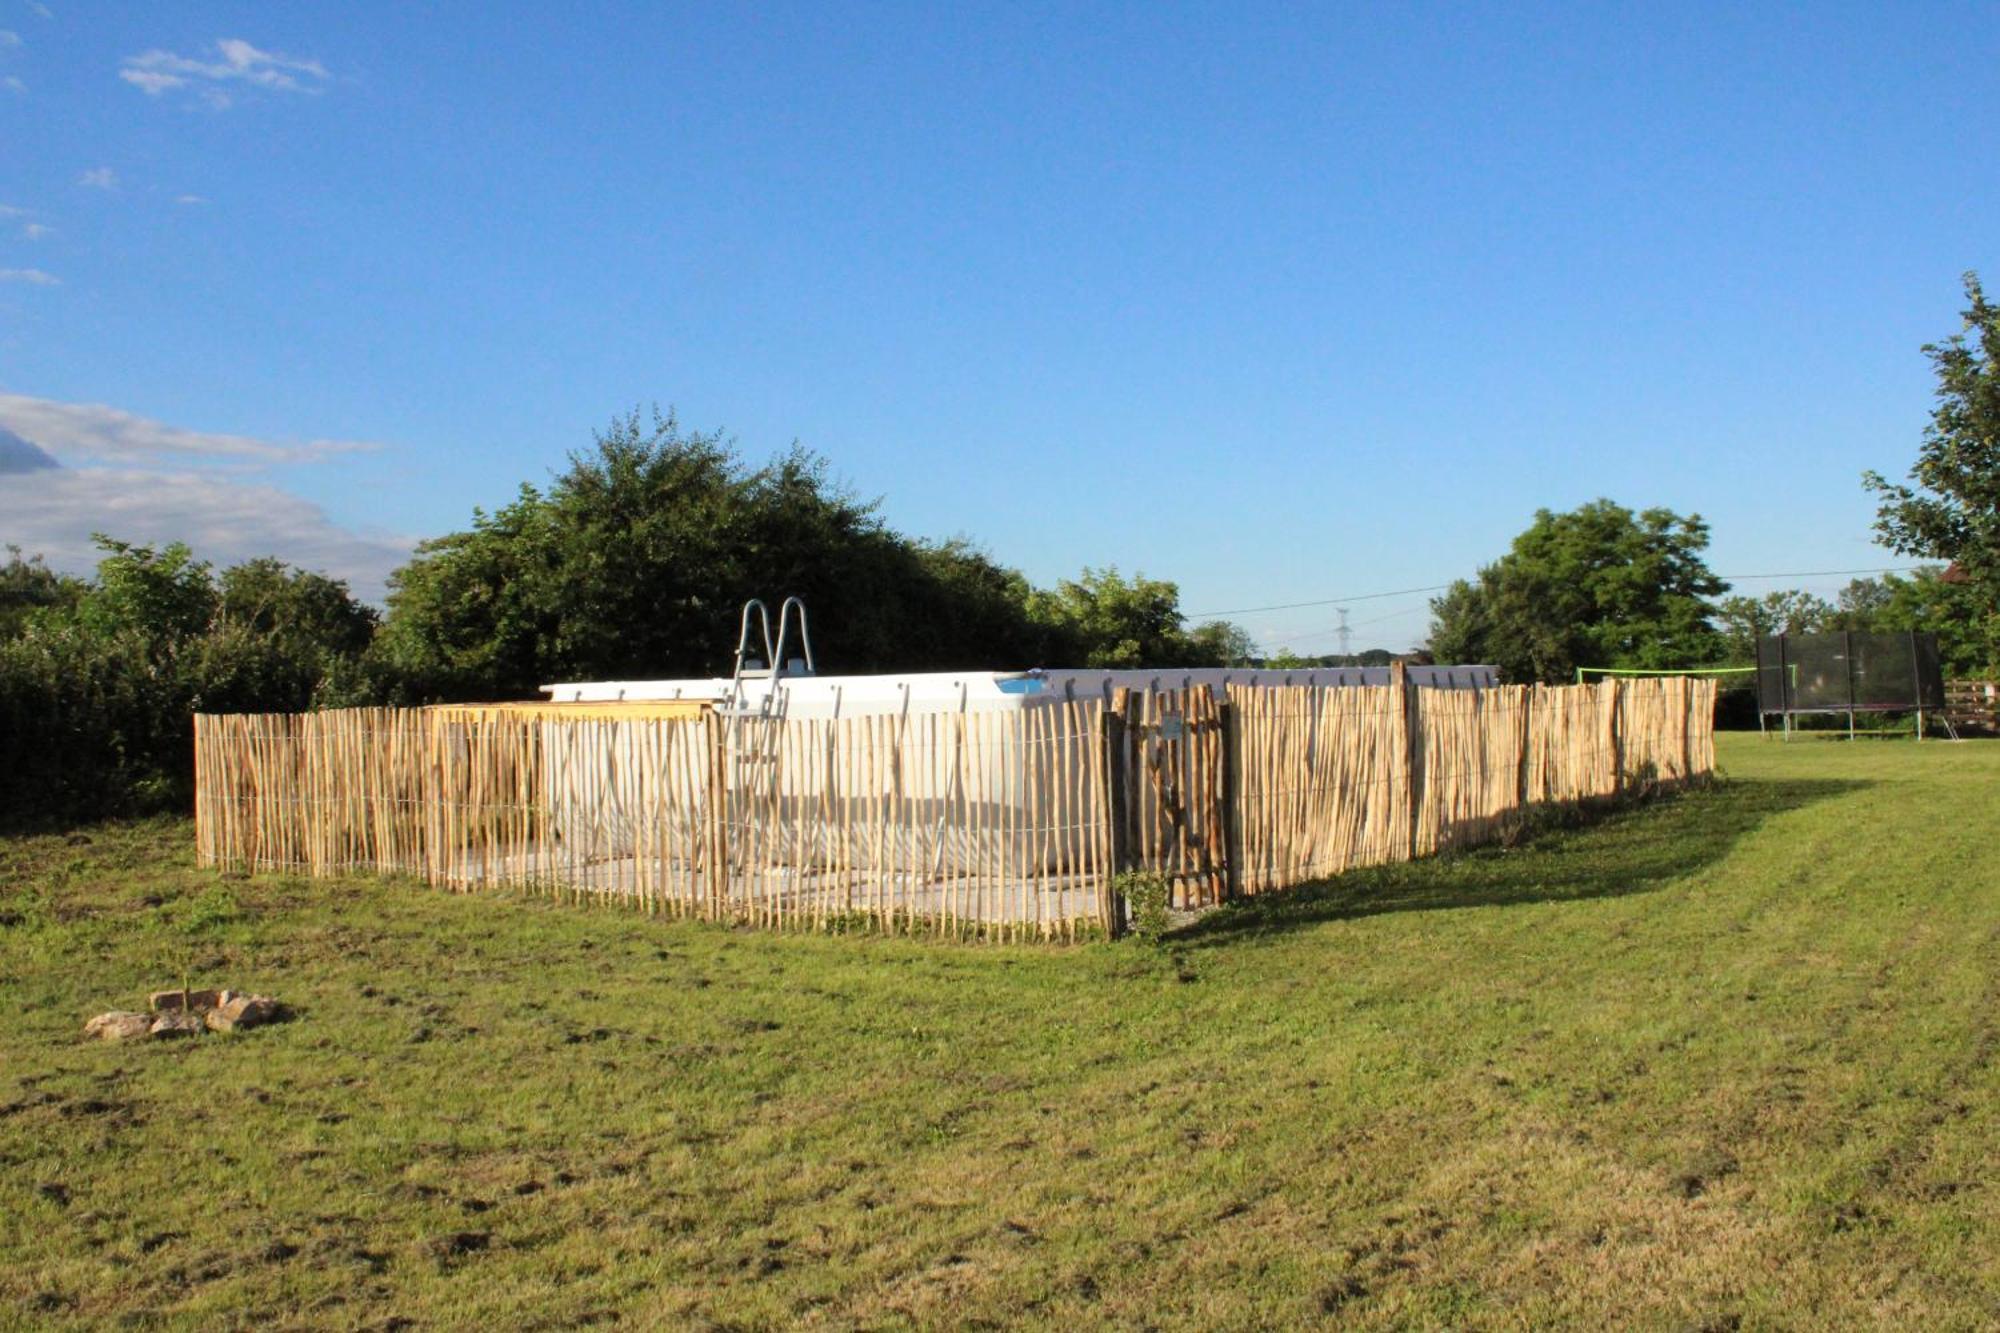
(991, 691)
(594, 789)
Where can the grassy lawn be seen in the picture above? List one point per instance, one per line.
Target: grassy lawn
(1722, 1061)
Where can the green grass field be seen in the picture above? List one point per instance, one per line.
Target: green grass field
(1726, 1060)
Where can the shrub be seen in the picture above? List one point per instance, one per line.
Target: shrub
(1150, 899)
(98, 687)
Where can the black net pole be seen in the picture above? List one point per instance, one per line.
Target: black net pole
(1784, 688)
(1847, 647)
(1917, 683)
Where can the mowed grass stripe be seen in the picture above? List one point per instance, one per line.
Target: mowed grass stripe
(1727, 1057)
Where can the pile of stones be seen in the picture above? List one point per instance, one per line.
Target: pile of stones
(186, 1013)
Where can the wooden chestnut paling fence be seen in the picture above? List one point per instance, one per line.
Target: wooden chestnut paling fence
(1009, 823)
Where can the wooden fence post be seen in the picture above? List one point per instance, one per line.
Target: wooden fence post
(1525, 729)
(1117, 799)
(1615, 740)
(203, 816)
(1232, 833)
(1406, 761)
(718, 816)
(1688, 691)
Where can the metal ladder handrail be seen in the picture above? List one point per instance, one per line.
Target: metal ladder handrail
(784, 629)
(743, 636)
(774, 668)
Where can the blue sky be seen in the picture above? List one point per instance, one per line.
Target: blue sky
(1281, 304)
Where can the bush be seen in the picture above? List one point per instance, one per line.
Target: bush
(98, 689)
(1150, 899)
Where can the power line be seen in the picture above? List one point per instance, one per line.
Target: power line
(1440, 587)
(1324, 601)
(1828, 573)
(1310, 635)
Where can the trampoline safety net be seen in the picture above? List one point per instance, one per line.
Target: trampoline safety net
(1845, 671)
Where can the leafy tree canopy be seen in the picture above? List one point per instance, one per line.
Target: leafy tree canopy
(98, 677)
(1924, 601)
(1952, 512)
(1220, 643)
(1103, 619)
(163, 595)
(1744, 620)
(29, 586)
(634, 563)
(1287, 660)
(1596, 586)
(302, 609)
(637, 559)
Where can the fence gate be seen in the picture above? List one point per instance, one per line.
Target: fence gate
(1165, 767)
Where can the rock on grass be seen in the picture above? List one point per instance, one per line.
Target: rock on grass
(118, 1025)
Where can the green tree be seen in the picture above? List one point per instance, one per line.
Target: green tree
(1287, 660)
(1596, 586)
(466, 612)
(1220, 643)
(637, 559)
(1102, 619)
(957, 609)
(1952, 512)
(164, 595)
(29, 586)
(1927, 602)
(1861, 604)
(1462, 625)
(98, 681)
(1744, 620)
(302, 610)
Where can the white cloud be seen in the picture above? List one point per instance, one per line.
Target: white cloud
(92, 431)
(52, 512)
(241, 65)
(35, 231)
(99, 178)
(150, 83)
(9, 39)
(34, 277)
(9, 211)
(191, 200)
(143, 480)
(14, 85)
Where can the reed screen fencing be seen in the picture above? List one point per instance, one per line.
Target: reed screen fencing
(1009, 823)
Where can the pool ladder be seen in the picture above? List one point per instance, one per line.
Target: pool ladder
(773, 666)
